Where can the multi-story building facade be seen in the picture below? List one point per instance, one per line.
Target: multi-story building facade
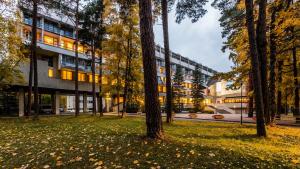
(224, 100)
(56, 64)
(188, 66)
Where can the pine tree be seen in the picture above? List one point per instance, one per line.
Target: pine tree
(197, 89)
(152, 106)
(178, 91)
(91, 34)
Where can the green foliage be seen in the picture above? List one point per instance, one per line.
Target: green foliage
(93, 31)
(11, 50)
(178, 91)
(197, 89)
(190, 8)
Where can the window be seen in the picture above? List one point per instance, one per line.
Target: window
(80, 49)
(51, 27)
(66, 75)
(66, 45)
(91, 78)
(50, 40)
(50, 73)
(67, 32)
(81, 77)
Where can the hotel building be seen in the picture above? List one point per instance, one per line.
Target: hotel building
(56, 68)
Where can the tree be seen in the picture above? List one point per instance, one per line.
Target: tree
(178, 91)
(130, 21)
(12, 50)
(33, 57)
(71, 9)
(152, 107)
(197, 89)
(260, 123)
(261, 41)
(164, 5)
(91, 34)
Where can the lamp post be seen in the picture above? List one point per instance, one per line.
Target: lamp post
(241, 103)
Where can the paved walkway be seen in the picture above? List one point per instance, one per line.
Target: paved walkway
(236, 118)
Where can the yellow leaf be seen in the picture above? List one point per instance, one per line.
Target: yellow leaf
(59, 163)
(135, 162)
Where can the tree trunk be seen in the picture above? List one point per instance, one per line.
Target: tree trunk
(100, 81)
(152, 106)
(279, 88)
(250, 89)
(93, 78)
(272, 103)
(261, 41)
(260, 123)
(100, 69)
(164, 4)
(27, 113)
(296, 84)
(76, 60)
(118, 86)
(127, 70)
(34, 56)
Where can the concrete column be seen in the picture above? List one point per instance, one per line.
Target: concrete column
(85, 103)
(55, 102)
(21, 98)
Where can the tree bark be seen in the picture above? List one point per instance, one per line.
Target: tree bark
(279, 88)
(76, 59)
(250, 89)
(118, 86)
(261, 41)
(164, 4)
(272, 45)
(127, 70)
(100, 81)
(93, 78)
(34, 56)
(152, 106)
(260, 123)
(296, 85)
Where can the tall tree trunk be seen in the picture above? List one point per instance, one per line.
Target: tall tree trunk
(127, 70)
(279, 88)
(152, 106)
(76, 59)
(100, 81)
(164, 4)
(296, 85)
(272, 45)
(93, 78)
(250, 101)
(100, 106)
(34, 56)
(27, 113)
(261, 41)
(118, 86)
(260, 123)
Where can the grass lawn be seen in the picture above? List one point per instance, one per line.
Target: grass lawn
(110, 142)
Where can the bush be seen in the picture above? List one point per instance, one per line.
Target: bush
(132, 108)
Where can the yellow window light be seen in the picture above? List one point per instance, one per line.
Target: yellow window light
(50, 73)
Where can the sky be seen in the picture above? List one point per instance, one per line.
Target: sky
(200, 41)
